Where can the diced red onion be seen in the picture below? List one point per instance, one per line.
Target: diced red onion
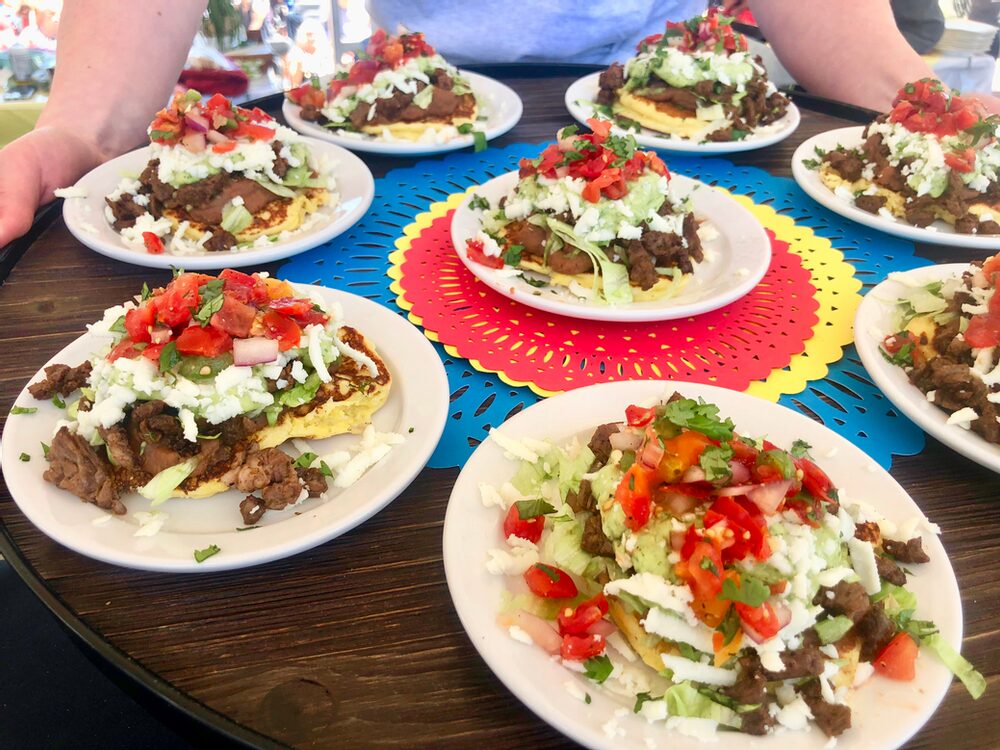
(769, 496)
(652, 453)
(568, 143)
(625, 441)
(677, 540)
(602, 627)
(562, 172)
(160, 335)
(740, 472)
(195, 122)
(194, 142)
(676, 503)
(782, 612)
(543, 634)
(254, 351)
(214, 136)
(734, 490)
(693, 474)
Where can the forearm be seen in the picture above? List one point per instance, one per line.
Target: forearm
(849, 50)
(118, 62)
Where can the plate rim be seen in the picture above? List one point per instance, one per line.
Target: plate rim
(892, 381)
(506, 673)
(624, 314)
(290, 111)
(808, 180)
(664, 143)
(205, 261)
(434, 382)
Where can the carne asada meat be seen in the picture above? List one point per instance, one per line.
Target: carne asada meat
(76, 467)
(911, 551)
(61, 379)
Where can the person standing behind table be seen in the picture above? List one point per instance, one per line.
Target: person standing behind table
(96, 111)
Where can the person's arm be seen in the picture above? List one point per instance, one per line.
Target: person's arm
(849, 50)
(116, 67)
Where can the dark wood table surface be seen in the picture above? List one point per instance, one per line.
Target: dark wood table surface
(356, 642)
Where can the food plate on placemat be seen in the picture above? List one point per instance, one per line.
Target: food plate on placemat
(878, 317)
(154, 531)
(594, 700)
(737, 255)
(500, 110)
(582, 93)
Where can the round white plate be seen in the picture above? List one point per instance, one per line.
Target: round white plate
(872, 323)
(585, 90)
(885, 713)
(499, 103)
(85, 216)
(938, 233)
(735, 260)
(419, 403)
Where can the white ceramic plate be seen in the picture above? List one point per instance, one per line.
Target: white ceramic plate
(938, 233)
(885, 713)
(735, 260)
(585, 90)
(499, 103)
(85, 216)
(420, 403)
(872, 323)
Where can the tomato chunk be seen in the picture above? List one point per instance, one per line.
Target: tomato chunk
(477, 253)
(760, 622)
(196, 341)
(633, 494)
(525, 528)
(549, 582)
(578, 621)
(235, 317)
(139, 322)
(581, 647)
(898, 660)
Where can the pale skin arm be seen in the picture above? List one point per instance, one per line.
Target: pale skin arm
(118, 63)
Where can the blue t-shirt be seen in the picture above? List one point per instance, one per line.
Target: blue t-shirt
(591, 31)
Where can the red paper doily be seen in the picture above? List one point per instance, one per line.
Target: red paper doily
(730, 347)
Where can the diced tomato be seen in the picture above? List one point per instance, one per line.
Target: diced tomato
(705, 569)
(637, 416)
(154, 245)
(600, 128)
(175, 304)
(748, 527)
(253, 131)
(525, 528)
(244, 287)
(898, 660)
(578, 621)
(153, 351)
(285, 330)
(814, 480)
(984, 329)
(223, 148)
(476, 252)
(549, 582)
(760, 622)
(307, 95)
(196, 341)
(592, 191)
(551, 156)
(234, 317)
(634, 495)
(124, 348)
(961, 161)
(581, 647)
(218, 103)
(649, 41)
(139, 322)
(291, 306)
(363, 71)
(743, 453)
(991, 266)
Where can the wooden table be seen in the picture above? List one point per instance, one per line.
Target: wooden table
(356, 642)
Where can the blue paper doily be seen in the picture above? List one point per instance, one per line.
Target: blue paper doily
(357, 261)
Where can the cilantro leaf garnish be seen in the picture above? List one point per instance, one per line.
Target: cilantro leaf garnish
(25, 457)
(800, 449)
(24, 410)
(305, 460)
(779, 460)
(537, 283)
(598, 668)
(479, 203)
(714, 462)
(118, 326)
(513, 255)
(694, 415)
(528, 509)
(641, 698)
(200, 555)
(729, 626)
(169, 358)
(750, 591)
(211, 300)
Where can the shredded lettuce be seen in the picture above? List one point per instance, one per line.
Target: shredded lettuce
(423, 97)
(235, 218)
(302, 393)
(615, 287)
(279, 190)
(562, 544)
(683, 699)
(833, 629)
(572, 467)
(895, 599)
(547, 609)
(162, 486)
(974, 682)
(529, 477)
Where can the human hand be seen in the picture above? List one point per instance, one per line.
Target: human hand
(989, 101)
(735, 7)
(34, 165)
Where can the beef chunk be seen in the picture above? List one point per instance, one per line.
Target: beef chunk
(570, 262)
(988, 227)
(252, 509)
(61, 379)
(150, 180)
(834, 719)
(271, 471)
(870, 203)
(957, 388)
(658, 91)
(750, 682)
(756, 722)
(118, 447)
(875, 630)
(641, 271)
(919, 212)
(848, 599)
(529, 236)
(443, 103)
(806, 661)
(200, 192)
(599, 443)
(280, 164)
(442, 79)
(313, 480)
(890, 178)
(847, 164)
(594, 539)
(911, 551)
(613, 78)
(125, 211)
(255, 198)
(220, 241)
(888, 570)
(76, 467)
(868, 532)
(582, 498)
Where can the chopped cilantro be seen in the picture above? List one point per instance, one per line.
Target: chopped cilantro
(25, 457)
(45, 450)
(537, 283)
(118, 326)
(587, 699)
(707, 564)
(598, 668)
(200, 555)
(305, 460)
(729, 626)
(247, 528)
(739, 135)
(528, 509)
(714, 462)
(800, 449)
(513, 255)
(751, 591)
(695, 415)
(24, 410)
(169, 358)
(779, 460)
(479, 203)
(211, 300)
(410, 430)
(325, 470)
(569, 130)
(641, 698)
(902, 358)
(628, 458)
(58, 402)
(689, 652)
